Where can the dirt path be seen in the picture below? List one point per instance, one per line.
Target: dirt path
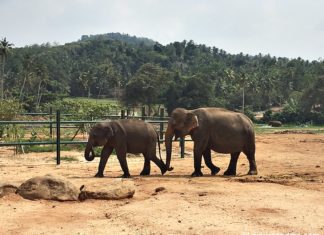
(286, 197)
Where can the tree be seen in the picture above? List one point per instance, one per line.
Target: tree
(190, 92)
(146, 86)
(312, 99)
(5, 47)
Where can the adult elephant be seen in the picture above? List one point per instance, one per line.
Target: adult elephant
(125, 136)
(215, 129)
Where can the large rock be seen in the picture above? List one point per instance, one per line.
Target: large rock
(6, 189)
(275, 123)
(49, 187)
(118, 189)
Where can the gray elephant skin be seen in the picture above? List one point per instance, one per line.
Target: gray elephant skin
(125, 136)
(216, 129)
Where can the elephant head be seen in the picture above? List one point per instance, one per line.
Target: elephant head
(98, 136)
(180, 124)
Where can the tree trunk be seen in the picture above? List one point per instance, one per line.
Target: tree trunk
(23, 86)
(38, 95)
(2, 76)
(243, 100)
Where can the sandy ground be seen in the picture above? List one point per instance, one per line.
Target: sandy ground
(286, 197)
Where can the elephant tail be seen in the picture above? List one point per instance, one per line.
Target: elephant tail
(158, 140)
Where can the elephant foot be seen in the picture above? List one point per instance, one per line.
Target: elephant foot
(252, 172)
(99, 175)
(230, 173)
(163, 171)
(215, 170)
(145, 173)
(196, 174)
(126, 175)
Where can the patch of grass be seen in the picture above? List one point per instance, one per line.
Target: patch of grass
(265, 129)
(92, 100)
(68, 159)
(40, 148)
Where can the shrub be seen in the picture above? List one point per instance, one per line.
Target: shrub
(9, 110)
(81, 110)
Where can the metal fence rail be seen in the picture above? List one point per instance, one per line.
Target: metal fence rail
(57, 125)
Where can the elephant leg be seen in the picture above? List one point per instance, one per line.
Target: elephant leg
(198, 151)
(105, 153)
(159, 163)
(231, 170)
(121, 155)
(253, 168)
(147, 166)
(207, 157)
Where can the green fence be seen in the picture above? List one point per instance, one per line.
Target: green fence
(58, 123)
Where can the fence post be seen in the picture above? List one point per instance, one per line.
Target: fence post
(161, 123)
(182, 147)
(122, 114)
(51, 125)
(127, 113)
(143, 113)
(58, 137)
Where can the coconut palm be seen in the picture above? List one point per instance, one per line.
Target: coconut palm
(5, 47)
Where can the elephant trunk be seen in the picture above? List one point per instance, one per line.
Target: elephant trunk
(87, 155)
(168, 145)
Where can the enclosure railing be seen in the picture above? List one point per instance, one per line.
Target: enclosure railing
(57, 124)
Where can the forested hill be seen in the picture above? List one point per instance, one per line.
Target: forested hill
(180, 74)
(120, 37)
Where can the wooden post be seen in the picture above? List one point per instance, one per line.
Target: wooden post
(143, 113)
(182, 147)
(58, 137)
(51, 125)
(122, 114)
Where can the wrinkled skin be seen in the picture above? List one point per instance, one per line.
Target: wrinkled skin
(220, 130)
(125, 136)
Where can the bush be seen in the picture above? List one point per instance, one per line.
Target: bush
(267, 116)
(249, 113)
(9, 110)
(81, 110)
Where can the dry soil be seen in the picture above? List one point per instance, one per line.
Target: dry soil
(286, 197)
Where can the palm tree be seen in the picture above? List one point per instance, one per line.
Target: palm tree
(5, 47)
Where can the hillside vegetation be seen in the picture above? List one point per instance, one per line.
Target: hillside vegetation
(139, 71)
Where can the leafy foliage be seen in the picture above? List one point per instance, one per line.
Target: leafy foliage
(180, 74)
(81, 110)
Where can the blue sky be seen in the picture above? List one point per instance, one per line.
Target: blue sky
(286, 28)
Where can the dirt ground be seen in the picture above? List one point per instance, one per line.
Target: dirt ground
(286, 197)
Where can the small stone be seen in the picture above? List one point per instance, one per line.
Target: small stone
(6, 189)
(159, 189)
(179, 221)
(202, 194)
(317, 166)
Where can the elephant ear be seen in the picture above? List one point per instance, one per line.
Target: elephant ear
(191, 121)
(109, 132)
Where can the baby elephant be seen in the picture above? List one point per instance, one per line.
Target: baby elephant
(125, 136)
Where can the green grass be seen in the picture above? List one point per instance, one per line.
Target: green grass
(52, 148)
(265, 129)
(68, 159)
(92, 100)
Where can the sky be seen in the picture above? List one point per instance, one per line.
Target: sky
(281, 28)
